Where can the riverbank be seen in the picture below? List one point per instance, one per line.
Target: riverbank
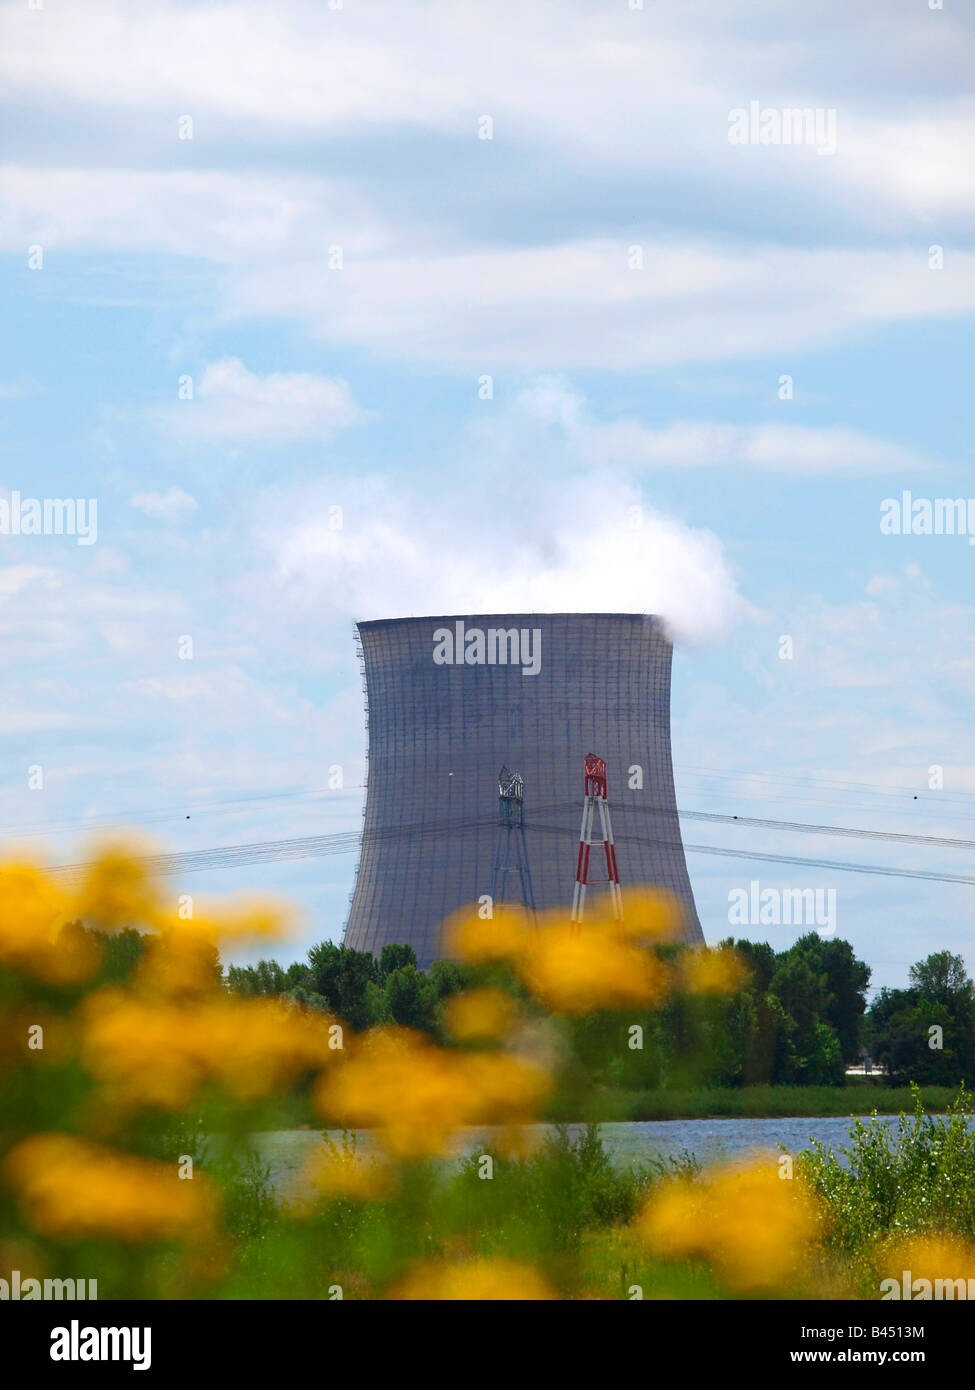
(858, 1097)
(768, 1102)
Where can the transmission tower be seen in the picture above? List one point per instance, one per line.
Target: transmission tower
(511, 852)
(596, 795)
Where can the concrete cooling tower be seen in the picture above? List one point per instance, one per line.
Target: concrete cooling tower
(454, 702)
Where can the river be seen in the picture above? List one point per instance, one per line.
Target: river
(627, 1143)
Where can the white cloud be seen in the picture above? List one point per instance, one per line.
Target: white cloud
(667, 74)
(779, 448)
(587, 94)
(217, 216)
(578, 304)
(234, 404)
(167, 506)
(592, 546)
(564, 426)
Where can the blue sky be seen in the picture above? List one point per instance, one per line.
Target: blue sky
(317, 386)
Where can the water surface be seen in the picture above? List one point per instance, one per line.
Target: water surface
(627, 1143)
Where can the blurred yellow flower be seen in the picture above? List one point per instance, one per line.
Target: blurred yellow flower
(157, 1052)
(72, 1189)
(752, 1225)
(938, 1258)
(117, 888)
(651, 916)
(484, 1280)
(178, 964)
(703, 971)
(479, 1014)
(579, 968)
(342, 1173)
(229, 922)
(417, 1095)
(34, 910)
(486, 941)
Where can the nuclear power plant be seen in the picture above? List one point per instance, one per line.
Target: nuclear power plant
(491, 740)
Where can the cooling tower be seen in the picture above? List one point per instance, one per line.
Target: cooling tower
(449, 701)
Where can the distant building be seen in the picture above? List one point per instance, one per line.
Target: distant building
(453, 699)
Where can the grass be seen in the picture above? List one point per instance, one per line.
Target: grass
(570, 1211)
(858, 1097)
(762, 1102)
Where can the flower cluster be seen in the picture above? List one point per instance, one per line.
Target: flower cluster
(416, 1095)
(753, 1225)
(149, 1051)
(72, 1188)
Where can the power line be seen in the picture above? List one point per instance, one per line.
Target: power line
(902, 837)
(346, 842)
(310, 794)
(626, 810)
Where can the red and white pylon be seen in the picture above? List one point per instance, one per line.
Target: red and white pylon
(596, 795)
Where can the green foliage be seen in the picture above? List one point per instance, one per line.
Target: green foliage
(757, 1102)
(340, 975)
(550, 1199)
(798, 1020)
(916, 1177)
(900, 1023)
(362, 991)
(843, 982)
(409, 997)
(395, 956)
(942, 979)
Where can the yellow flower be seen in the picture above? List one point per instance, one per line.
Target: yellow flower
(500, 1088)
(34, 911)
(704, 971)
(484, 1280)
(938, 1257)
(399, 1084)
(579, 968)
(158, 1052)
(344, 1174)
(178, 964)
(228, 922)
(117, 888)
(417, 1095)
(747, 1221)
(71, 1189)
(479, 1014)
(651, 916)
(486, 941)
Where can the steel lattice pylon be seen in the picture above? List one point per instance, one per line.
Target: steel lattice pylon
(596, 795)
(511, 852)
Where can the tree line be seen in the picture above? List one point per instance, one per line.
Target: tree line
(801, 1016)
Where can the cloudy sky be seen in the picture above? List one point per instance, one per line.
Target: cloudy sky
(478, 279)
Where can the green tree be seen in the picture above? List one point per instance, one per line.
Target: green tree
(340, 975)
(409, 998)
(393, 956)
(843, 1002)
(813, 1052)
(942, 978)
(900, 1023)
